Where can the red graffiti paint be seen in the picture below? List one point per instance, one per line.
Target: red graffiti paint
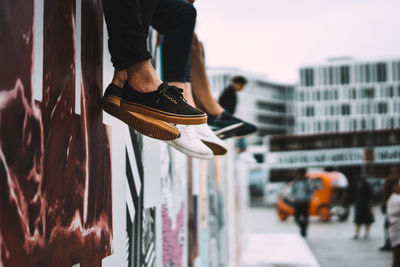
(55, 166)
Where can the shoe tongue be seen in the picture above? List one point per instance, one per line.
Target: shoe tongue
(162, 86)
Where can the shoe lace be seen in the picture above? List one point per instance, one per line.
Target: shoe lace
(172, 92)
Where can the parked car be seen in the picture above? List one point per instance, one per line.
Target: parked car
(326, 200)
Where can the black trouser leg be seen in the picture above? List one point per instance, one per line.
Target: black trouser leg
(396, 256)
(301, 216)
(175, 19)
(127, 24)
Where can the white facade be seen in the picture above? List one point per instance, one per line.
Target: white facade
(348, 95)
(268, 105)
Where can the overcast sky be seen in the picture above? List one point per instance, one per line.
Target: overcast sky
(275, 37)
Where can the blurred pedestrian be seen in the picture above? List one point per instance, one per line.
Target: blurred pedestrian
(302, 191)
(392, 179)
(363, 208)
(228, 99)
(393, 214)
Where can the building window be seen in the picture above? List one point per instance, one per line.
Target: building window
(382, 108)
(390, 91)
(367, 73)
(344, 75)
(309, 111)
(307, 77)
(345, 109)
(354, 93)
(354, 125)
(326, 95)
(274, 107)
(332, 111)
(398, 71)
(367, 93)
(381, 72)
(391, 123)
(394, 71)
(327, 128)
(326, 75)
(319, 95)
(271, 120)
(363, 124)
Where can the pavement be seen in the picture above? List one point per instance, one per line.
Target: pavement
(269, 242)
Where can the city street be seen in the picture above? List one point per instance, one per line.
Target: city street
(327, 245)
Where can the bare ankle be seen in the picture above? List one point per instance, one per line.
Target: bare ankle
(142, 77)
(119, 78)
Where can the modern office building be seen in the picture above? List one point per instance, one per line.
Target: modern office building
(347, 119)
(343, 94)
(267, 104)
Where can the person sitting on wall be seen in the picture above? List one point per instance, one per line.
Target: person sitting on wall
(195, 140)
(228, 98)
(224, 124)
(145, 103)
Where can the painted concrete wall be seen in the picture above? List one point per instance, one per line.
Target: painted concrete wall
(77, 186)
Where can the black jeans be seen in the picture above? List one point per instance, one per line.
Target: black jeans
(128, 23)
(175, 20)
(301, 216)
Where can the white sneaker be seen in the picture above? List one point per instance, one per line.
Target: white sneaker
(211, 140)
(190, 144)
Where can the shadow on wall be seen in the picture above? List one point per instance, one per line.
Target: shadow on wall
(55, 166)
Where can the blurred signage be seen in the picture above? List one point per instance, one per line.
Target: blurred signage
(387, 154)
(332, 157)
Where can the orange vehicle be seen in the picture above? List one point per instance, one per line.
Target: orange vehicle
(326, 200)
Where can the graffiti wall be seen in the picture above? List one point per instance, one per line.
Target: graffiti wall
(77, 186)
(55, 199)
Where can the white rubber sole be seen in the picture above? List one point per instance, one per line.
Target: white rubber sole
(229, 128)
(189, 152)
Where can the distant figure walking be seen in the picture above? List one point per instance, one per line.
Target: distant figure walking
(393, 214)
(392, 179)
(302, 191)
(363, 208)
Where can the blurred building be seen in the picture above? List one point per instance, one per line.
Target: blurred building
(348, 95)
(347, 115)
(267, 104)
